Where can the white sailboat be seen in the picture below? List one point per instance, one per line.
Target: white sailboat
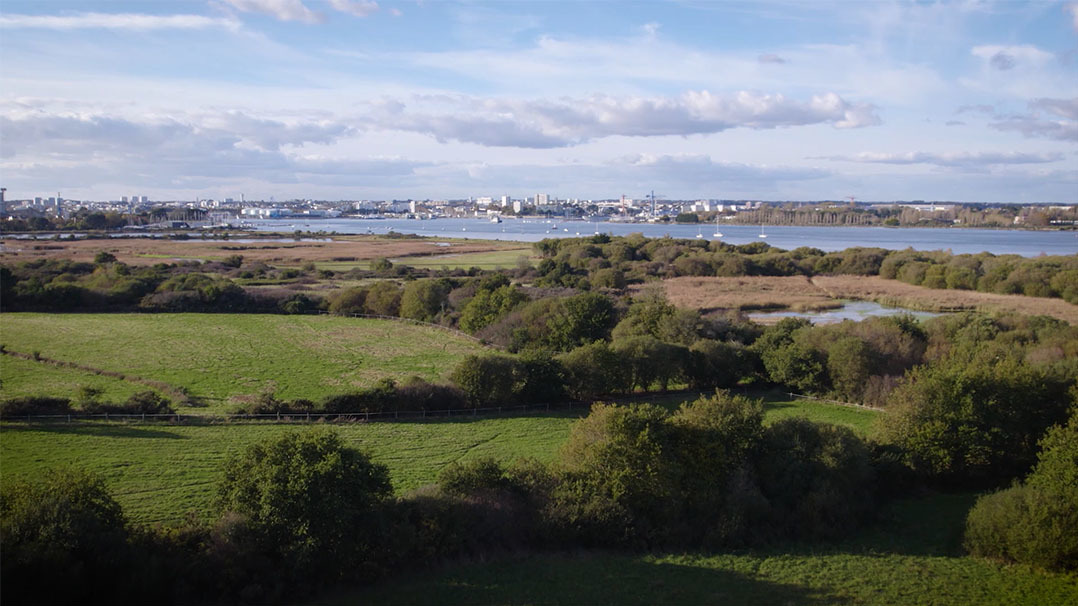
(762, 234)
(699, 232)
(718, 234)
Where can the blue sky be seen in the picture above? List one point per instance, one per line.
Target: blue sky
(357, 99)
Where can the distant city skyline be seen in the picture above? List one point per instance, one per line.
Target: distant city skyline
(356, 99)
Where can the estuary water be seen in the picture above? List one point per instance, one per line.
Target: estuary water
(852, 310)
(957, 240)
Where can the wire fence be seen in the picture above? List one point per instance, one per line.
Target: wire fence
(310, 416)
(838, 402)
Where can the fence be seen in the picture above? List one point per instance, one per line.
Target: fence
(308, 417)
(838, 402)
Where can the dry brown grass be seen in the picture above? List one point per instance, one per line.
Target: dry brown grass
(747, 293)
(823, 292)
(144, 251)
(900, 294)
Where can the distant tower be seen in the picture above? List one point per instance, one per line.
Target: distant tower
(3, 205)
(59, 206)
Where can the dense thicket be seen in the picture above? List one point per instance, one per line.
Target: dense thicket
(1034, 522)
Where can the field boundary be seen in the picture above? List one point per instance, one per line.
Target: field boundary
(838, 402)
(179, 393)
(308, 417)
(452, 331)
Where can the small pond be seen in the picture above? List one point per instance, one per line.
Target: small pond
(852, 310)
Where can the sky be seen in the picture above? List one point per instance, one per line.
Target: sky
(361, 99)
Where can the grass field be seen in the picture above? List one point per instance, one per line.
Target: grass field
(912, 556)
(28, 378)
(160, 471)
(220, 356)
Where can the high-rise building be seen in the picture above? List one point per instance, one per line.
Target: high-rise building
(541, 199)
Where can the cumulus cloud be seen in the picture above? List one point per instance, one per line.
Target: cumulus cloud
(356, 8)
(567, 122)
(1008, 57)
(968, 160)
(1002, 61)
(1047, 118)
(120, 21)
(1072, 8)
(228, 145)
(282, 10)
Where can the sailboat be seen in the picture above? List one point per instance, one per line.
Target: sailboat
(762, 234)
(699, 232)
(718, 234)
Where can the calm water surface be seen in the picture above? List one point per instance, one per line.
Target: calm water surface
(853, 310)
(957, 240)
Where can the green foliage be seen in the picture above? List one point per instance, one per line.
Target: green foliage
(715, 363)
(103, 257)
(424, 300)
(817, 478)
(651, 361)
(594, 370)
(349, 301)
(64, 524)
(1035, 522)
(487, 380)
(310, 500)
(488, 306)
(974, 420)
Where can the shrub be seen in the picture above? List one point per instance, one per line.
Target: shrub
(593, 370)
(34, 405)
(974, 421)
(310, 501)
(817, 478)
(1035, 522)
(65, 523)
(487, 380)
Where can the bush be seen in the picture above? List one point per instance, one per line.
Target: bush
(974, 421)
(1036, 522)
(64, 524)
(1025, 524)
(310, 501)
(487, 380)
(34, 405)
(817, 478)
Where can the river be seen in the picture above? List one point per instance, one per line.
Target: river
(958, 240)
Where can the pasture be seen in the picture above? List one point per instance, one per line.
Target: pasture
(158, 472)
(912, 556)
(219, 357)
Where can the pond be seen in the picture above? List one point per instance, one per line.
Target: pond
(851, 310)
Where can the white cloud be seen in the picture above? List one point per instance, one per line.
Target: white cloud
(1072, 8)
(1016, 55)
(1047, 118)
(356, 8)
(566, 122)
(123, 21)
(282, 10)
(968, 160)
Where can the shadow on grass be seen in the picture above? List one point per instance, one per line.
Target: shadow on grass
(599, 578)
(91, 429)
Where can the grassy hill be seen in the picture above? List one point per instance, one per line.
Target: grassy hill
(223, 356)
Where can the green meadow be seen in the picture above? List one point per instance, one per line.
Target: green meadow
(222, 356)
(158, 472)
